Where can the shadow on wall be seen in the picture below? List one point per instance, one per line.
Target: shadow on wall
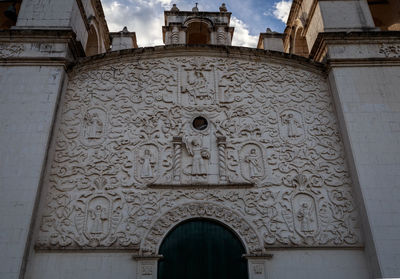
(9, 13)
(386, 14)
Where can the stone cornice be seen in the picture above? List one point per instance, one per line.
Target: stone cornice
(22, 46)
(245, 53)
(378, 46)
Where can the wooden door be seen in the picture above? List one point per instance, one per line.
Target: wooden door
(200, 249)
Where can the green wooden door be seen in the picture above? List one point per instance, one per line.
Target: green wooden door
(200, 249)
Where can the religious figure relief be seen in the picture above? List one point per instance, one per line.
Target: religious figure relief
(147, 165)
(196, 84)
(97, 221)
(305, 215)
(291, 126)
(98, 216)
(147, 162)
(199, 154)
(252, 162)
(94, 126)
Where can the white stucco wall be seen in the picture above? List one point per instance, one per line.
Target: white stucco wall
(345, 15)
(285, 264)
(327, 264)
(28, 99)
(45, 13)
(370, 111)
(81, 265)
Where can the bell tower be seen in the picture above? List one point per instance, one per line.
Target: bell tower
(196, 27)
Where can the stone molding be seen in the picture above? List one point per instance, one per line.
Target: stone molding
(367, 47)
(19, 46)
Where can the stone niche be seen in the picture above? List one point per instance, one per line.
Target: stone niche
(144, 144)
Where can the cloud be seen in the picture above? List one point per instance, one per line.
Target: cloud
(282, 9)
(241, 36)
(144, 17)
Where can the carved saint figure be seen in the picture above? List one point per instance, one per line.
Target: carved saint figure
(147, 162)
(255, 164)
(292, 126)
(197, 86)
(99, 216)
(94, 126)
(304, 215)
(199, 155)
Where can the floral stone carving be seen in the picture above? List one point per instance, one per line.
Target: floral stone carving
(126, 125)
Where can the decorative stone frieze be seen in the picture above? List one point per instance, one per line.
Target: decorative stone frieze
(196, 121)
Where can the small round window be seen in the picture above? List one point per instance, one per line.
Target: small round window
(200, 123)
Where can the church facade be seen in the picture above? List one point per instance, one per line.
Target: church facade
(198, 159)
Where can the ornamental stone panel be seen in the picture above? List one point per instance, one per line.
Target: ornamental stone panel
(143, 144)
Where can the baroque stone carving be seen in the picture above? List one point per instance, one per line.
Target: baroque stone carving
(126, 125)
(200, 210)
(10, 50)
(390, 50)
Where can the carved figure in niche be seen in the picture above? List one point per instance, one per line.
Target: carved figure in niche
(199, 154)
(99, 216)
(197, 86)
(147, 164)
(147, 158)
(305, 216)
(251, 162)
(94, 126)
(255, 164)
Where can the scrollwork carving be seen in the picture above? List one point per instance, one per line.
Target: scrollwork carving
(124, 126)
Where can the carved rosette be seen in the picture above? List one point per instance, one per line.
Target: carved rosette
(126, 127)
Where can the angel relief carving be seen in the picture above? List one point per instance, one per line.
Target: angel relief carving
(126, 127)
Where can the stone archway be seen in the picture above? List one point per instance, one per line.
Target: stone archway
(160, 228)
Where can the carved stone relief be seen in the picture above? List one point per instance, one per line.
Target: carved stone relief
(390, 50)
(10, 50)
(125, 128)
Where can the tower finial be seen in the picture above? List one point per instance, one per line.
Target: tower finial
(174, 8)
(195, 9)
(223, 8)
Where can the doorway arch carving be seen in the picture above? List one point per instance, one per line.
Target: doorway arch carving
(200, 210)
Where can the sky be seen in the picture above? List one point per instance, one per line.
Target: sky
(146, 17)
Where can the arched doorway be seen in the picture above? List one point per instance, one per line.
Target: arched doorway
(201, 249)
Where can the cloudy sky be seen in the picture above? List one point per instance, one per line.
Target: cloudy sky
(146, 17)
